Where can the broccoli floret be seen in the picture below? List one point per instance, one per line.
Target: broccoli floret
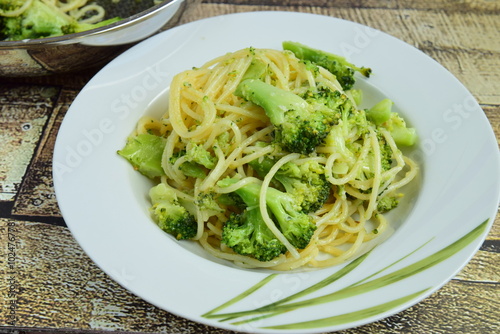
(41, 20)
(321, 96)
(337, 65)
(382, 115)
(247, 234)
(144, 152)
(297, 227)
(387, 203)
(231, 200)
(399, 131)
(196, 153)
(170, 215)
(188, 168)
(357, 120)
(380, 112)
(386, 154)
(356, 95)
(224, 142)
(300, 126)
(306, 182)
(208, 205)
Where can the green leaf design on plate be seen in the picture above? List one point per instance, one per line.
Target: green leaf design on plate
(241, 296)
(315, 287)
(363, 286)
(352, 316)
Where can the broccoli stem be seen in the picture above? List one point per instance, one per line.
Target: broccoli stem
(275, 101)
(299, 128)
(247, 234)
(403, 136)
(339, 66)
(296, 226)
(306, 183)
(380, 112)
(144, 152)
(256, 70)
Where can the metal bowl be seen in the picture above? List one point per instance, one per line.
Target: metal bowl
(91, 48)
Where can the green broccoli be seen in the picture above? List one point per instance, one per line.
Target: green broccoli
(198, 160)
(41, 20)
(188, 168)
(306, 182)
(170, 215)
(247, 234)
(196, 153)
(297, 227)
(380, 112)
(224, 141)
(337, 65)
(144, 152)
(382, 115)
(231, 200)
(323, 97)
(300, 126)
(385, 153)
(207, 203)
(352, 121)
(387, 203)
(400, 132)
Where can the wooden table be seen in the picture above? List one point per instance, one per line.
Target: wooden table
(51, 285)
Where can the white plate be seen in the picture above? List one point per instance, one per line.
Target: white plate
(104, 202)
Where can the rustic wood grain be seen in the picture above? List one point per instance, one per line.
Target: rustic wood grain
(492, 112)
(36, 196)
(24, 111)
(446, 5)
(483, 267)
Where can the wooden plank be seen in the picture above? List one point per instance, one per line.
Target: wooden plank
(483, 267)
(493, 115)
(495, 229)
(76, 80)
(36, 196)
(449, 6)
(24, 111)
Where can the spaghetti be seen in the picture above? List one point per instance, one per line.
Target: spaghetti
(204, 111)
(81, 10)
